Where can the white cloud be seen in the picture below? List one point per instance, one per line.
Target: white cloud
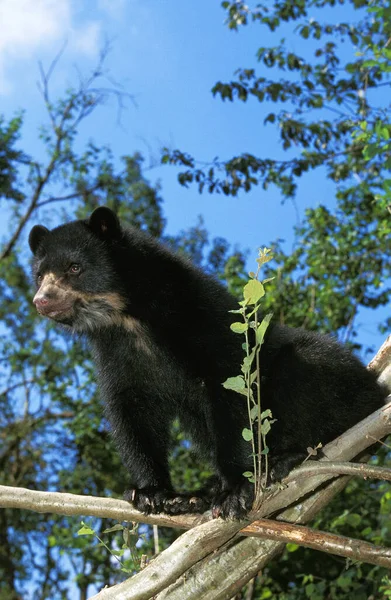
(32, 27)
(28, 23)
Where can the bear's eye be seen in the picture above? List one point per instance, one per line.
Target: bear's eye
(75, 269)
(39, 279)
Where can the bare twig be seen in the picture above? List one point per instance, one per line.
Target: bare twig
(156, 539)
(64, 123)
(72, 196)
(43, 85)
(339, 468)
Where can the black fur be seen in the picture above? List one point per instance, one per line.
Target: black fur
(159, 331)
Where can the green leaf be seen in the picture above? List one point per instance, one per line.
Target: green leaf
(261, 329)
(310, 590)
(254, 413)
(247, 434)
(264, 256)
(366, 531)
(247, 362)
(265, 427)
(239, 327)
(266, 414)
(371, 150)
(85, 530)
(353, 519)
(292, 547)
(253, 291)
(248, 474)
(253, 377)
(236, 384)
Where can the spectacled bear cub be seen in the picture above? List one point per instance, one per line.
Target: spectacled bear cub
(159, 329)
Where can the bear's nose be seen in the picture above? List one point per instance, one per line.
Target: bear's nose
(40, 300)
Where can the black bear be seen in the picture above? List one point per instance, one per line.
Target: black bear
(159, 329)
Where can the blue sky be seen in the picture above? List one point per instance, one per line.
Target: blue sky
(168, 54)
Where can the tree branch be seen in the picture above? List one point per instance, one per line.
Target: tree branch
(72, 196)
(31, 207)
(381, 363)
(339, 468)
(321, 540)
(226, 572)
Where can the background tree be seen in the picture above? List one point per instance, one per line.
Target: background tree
(330, 108)
(53, 434)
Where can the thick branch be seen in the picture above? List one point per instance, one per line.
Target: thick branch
(320, 540)
(76, 505)
(188, 549)
(195, 545)
(382, 360)
(226, 572)
(381, 363)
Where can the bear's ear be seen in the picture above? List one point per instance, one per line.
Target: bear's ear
(36, 236)
(104, 223)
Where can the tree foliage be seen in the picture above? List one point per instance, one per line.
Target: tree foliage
(329, 106)
(52, 429)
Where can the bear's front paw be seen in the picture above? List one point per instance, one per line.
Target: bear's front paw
(155, 500)
(234, 503)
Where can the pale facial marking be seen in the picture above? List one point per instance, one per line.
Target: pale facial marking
(91, 311)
